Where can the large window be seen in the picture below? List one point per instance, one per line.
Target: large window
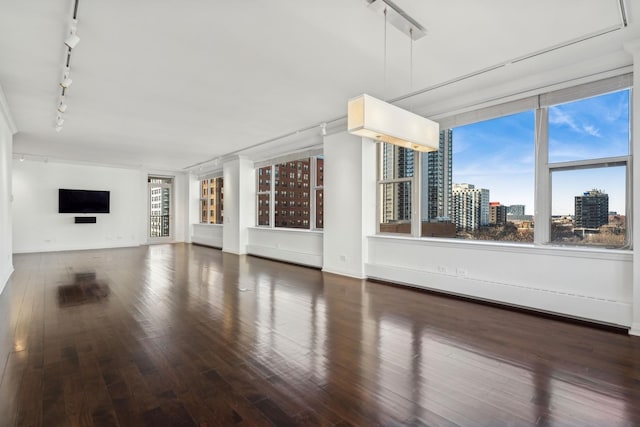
(567, 151)
(588, 167)
(397, 171)
(290, 194)
(493, 176)
(211, 200)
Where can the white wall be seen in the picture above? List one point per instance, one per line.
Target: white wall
(585, 284)
(239, 204)
(298, 246)
(6, 142)
(38, 227)
(207, 234)
(349, 202)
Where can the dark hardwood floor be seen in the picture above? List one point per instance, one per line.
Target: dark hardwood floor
(182, 335)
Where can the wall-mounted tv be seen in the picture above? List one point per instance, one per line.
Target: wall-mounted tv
(82, 201)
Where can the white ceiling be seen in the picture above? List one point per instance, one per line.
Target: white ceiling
(168, 84)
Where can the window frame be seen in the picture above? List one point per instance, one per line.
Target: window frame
(311, 191)
(543, 168)
(546, 168)
(414, 193)
(207, 199)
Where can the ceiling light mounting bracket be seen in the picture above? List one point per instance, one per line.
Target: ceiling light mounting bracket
(398, 18)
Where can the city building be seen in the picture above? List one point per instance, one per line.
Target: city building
(159, 207)
(293, 188)
(212, 201)
(591, 209)
(470, 207)
(436, 180)
(497, 213)
(517, 210)
(398, 162)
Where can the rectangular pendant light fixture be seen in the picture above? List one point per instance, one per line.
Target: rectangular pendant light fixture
(372, 118)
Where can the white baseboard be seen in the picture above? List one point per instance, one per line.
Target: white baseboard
(635, 329)
(618, 313)
(344, 273)
(61, 248)
(214, 243)
(309, 259)
(4, 280)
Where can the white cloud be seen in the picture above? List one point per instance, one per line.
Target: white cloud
(592, 130)
(559, 117)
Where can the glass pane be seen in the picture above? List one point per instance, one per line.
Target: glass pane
(263, 209)
(220, 201)
(590, 128)
(264, 178)
(160, 211)
(320, 171)
(436, 197)
(292, 200)
(397, 162)
(492, 175)
(204, 188)
(320, 208)
(396, 208)
(215, 201)
(588, 207)
(159, 180)
(203, 210)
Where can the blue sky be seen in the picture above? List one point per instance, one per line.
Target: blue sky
(498, 154)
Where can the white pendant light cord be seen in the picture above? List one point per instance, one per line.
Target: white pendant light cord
(384, 88)
(411, 67)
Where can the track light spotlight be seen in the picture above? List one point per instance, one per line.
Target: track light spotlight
(62, 107)
(66, 82)
(22, 158)
(72, 41)
(59, 121)
(58, 128)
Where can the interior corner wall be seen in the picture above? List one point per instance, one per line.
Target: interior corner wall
(37, 225)
(6, 148)
(349, 202)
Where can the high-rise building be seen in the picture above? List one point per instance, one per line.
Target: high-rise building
(212, 209)
(497, 213)
(159, 208)
(591, 209)
(398, 162)
(293, 188)
(470, 207)
(436, 179)
(515, 210)
(292, 192)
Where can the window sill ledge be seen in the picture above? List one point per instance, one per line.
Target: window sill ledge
(520, 248)
(286, 230)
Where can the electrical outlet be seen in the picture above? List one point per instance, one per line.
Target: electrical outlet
(343, 258)
(442, 269)
(461, 272)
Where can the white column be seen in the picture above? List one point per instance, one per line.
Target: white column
(349, 202)
(239, 204)
(634, 49)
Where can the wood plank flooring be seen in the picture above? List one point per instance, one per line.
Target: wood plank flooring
(183, 335)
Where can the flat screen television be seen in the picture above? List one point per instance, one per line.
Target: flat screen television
(82, 201)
